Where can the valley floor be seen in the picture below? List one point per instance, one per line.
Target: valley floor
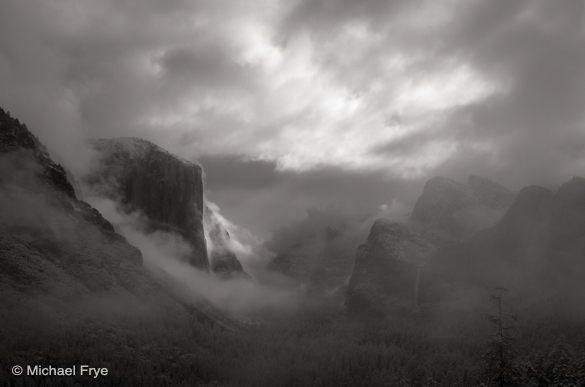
(315, 350)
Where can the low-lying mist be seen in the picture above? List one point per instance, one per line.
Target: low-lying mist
(319, 250)
(162, 252)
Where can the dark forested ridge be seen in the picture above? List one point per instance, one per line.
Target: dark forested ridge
(324, 350)
(74, 291)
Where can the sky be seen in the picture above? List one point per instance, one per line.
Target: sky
(300, 104)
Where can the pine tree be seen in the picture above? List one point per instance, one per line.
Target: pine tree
(500, 357)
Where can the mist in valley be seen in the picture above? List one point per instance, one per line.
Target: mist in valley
(163, 255)
(305, 193)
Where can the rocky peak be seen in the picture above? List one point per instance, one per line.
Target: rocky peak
(15, 135)
(572, 192)
(26, 163)
(449, 211)
(562, 213)
(440, 197)
(532, 204)
(523, 228)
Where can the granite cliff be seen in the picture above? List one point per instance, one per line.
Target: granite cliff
(386, 268)
(167, 191)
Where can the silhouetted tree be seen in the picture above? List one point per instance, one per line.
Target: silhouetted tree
(500, 356)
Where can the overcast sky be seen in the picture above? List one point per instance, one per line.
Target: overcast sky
(297, 104)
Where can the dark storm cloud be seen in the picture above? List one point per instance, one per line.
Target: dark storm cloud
(203, 64)
(327, 15)
(349, 103)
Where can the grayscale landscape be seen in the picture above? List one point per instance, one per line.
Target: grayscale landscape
(304, 193)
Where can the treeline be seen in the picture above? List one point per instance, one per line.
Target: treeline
(328, 350)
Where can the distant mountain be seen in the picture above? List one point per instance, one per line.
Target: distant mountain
(449, 211)
(537, 249)
(494, 256)
(391, 265)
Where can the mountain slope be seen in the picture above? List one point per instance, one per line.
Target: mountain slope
(71, 288)
(50, 238)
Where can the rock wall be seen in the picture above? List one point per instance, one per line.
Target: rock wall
(166, 190)
(385, 271)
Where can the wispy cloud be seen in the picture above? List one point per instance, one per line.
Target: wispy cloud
(494, 88)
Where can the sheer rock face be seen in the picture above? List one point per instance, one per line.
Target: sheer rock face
(385, 271)
(448, 211)
(222, 258)
(166, 190)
